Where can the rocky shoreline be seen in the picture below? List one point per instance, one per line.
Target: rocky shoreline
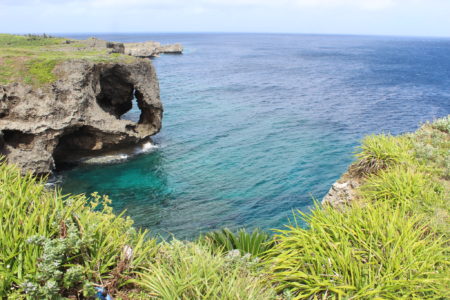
(79, 114)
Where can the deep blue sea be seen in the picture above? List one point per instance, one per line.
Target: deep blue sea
(257, 125)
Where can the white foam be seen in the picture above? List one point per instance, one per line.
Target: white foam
(146, 147)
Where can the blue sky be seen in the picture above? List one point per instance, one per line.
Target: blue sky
(375, 17)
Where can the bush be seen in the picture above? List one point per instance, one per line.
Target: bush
(442, 124)
(405, 186)
(378, 152)
(52, 246)
(189, 271)
(431, 145)
(255, 243)
(366, 253)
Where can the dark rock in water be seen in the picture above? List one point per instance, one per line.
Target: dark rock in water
(79, 113)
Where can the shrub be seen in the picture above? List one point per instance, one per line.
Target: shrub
(368, 252)
(431, 145)
(189, 271)
(52, 246)
(255, 243)
(378, 152)
(404, 186)
(442, 124)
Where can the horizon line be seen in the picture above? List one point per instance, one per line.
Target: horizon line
(238, 32)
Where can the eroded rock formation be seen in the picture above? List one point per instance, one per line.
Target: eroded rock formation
(143, 49)
(151, 49)
(78, 114)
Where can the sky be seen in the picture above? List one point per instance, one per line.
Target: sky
(361, 17)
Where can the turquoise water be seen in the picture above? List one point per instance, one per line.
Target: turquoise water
(257, 125)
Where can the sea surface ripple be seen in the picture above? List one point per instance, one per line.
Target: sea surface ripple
(257, 125)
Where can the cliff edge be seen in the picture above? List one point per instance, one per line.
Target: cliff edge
(77, 110)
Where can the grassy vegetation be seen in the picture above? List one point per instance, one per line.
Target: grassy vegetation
(53, 246)
(379, 152)
(31, 59)
(254, 243)
(189, 271)
(368, 252)
(392, 244)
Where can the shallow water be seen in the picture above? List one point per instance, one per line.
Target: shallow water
(257, 125)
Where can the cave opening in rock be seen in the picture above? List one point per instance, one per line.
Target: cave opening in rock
(118, 96)
(18, 139)
(76, 143)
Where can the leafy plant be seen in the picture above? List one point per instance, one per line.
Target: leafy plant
(370, 252)
(404, 186)
(189, 271)
(431, 147)
(378, 152)
(52, 245)
(255, 243)
(442, 124)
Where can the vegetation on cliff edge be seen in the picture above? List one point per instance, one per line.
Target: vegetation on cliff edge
(392, 243)
(31, 59)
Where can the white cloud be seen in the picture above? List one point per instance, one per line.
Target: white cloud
(362, 4)
(211, 4)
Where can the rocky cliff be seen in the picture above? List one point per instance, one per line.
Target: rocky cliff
(80, 113)
(144, 49)
(151, 49)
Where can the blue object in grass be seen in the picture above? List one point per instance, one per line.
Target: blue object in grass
(102, 295)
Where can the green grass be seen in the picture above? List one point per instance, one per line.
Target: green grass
(189, 271)
(53, 245)
(15, 41)
(405, 186)
(431, 146)
(254, 243)
(42, 70)
(368, 252)
(32, 59)
(393, 243)
(378, 152)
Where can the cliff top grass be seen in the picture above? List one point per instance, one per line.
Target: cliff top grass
(31, 59)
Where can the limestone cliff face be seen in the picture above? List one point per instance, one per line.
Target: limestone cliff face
(151, 49)
(147, 49)
(78, 114)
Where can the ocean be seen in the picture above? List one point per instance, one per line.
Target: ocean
(257, 126)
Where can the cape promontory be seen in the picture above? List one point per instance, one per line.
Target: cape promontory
(62, 99)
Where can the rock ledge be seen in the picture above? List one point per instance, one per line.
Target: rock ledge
(80, 113)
